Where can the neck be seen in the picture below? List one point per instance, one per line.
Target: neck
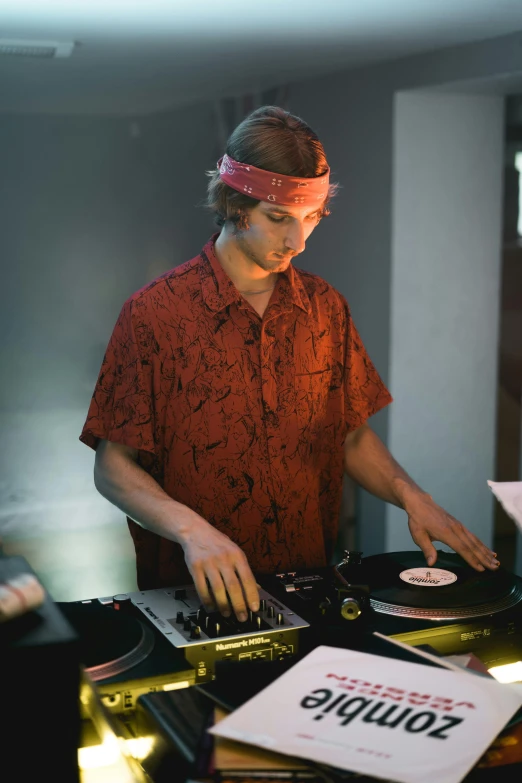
(247, 276)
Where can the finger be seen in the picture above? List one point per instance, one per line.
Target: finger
(249, 584)
(484, 555)
(202, 588)
(462, 545)
(471, 547)
(211, 606)
(219, 591)
(235, 593)
(423, 541)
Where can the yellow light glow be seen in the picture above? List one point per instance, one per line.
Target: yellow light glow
(175, 686)
(96, 756)
(109, 752)
(140, 747)
(510, 672)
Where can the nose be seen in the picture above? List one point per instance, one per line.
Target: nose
(295, 237)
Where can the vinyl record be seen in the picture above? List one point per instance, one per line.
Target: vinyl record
(111, 642)
(404, 579)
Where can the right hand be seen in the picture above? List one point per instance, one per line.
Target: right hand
(218, 566)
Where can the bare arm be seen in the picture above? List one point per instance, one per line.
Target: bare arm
(209, 554)
(370, 464)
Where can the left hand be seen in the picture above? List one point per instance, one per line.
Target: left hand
(429, 522)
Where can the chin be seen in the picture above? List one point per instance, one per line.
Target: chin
(282, 263)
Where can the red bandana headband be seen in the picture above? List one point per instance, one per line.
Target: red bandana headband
(278, 188)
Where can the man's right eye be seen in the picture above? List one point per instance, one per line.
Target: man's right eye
(275, 219)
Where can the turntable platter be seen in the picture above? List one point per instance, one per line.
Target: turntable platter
(111, 642)
(402, 584)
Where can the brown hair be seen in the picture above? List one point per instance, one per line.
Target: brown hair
(269, 138)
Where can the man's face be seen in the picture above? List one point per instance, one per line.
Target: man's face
(276, 234)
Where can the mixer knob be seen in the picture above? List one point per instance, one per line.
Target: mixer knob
(187, 625)
(271, 612)
(201, 615)
(351, 608)
(195, 632)
(258, 623)
(179, 617)
(218, 629)
(121, 601)
(262, 605)
(280, 619)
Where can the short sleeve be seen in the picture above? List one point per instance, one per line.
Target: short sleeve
(364, 390)
(121, 408)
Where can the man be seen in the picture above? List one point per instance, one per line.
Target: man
(235, 389)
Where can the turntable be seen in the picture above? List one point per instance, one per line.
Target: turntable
(123, 655)
(137, 643)
(403, 586)
(450, 607)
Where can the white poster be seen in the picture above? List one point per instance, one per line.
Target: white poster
(509, 494)
(377, 716)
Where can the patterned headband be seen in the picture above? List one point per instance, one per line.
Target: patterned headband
(267, 186)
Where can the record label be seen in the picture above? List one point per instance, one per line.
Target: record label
(428, 577)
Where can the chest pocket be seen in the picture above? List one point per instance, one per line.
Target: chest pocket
(311, 391)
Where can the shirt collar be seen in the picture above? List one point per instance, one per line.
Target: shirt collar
(219, 291)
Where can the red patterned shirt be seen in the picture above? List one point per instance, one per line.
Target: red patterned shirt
(240, 418)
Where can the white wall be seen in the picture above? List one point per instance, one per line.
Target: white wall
(446, 228)
(353, 113)
(350, 248)
(92, 209)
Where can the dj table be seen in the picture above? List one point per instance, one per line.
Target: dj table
(141, 651)
(156, 639)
